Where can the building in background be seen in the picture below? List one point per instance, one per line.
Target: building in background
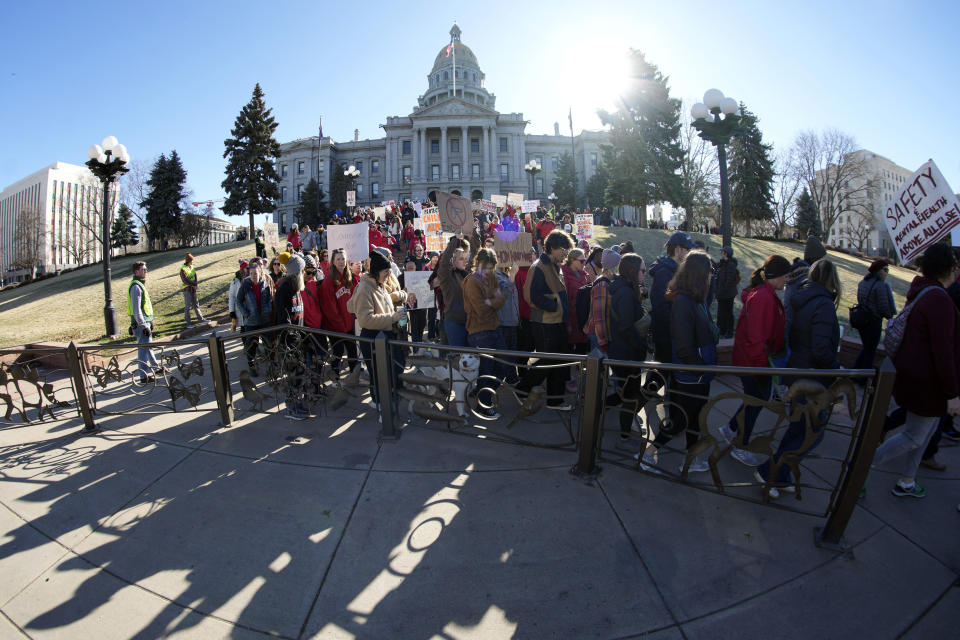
(50, 220)
(454, 140)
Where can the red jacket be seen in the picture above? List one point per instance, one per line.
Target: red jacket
(408, 236)
(573, 280)
(929, 357)
(520, 279)
(544, 227)
(760, 328)
(312, 305)
(334, 301)
(294, 237)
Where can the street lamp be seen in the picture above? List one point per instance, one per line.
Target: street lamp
(108, 160)
(351, 173)
(713, 128)
(533, 168)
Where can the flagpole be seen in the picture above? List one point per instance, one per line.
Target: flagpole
(454, 45)
(573, 159)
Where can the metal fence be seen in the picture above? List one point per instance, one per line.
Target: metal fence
(816, 433)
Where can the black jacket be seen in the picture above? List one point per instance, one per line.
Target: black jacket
(875, 295)
(691, 338)
(814, 332)
(662, 273)
(727, 277)
(625, 309)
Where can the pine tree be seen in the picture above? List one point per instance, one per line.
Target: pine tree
(565, 182)
(597, 187)
(123, 232)
(645, 153)
(252, 184)
(164, 200)
(339, 185)
(751, 173)
(808, 218)
(312, 210)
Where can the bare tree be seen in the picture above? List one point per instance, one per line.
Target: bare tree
(134, 188)
(836, 174)
(82, 231)
(785, 189)
(700, 174)
(195, 228)
(28, 240)
(861, 224)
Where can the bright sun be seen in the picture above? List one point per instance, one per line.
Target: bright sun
(597, 72)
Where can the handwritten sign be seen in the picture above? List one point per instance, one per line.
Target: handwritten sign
(515, 199)
(487, 206)
(415, 282)
(351, 198)
(438, 242)
(418, 208)
(354, 239)
(379, 213)
(529, 206)
(500, 201)
(585, 226)
(922, 212)
(516, 251)
(431, 220)
(271, 234)
(456, 213)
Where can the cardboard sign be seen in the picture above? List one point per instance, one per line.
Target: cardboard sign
(271, 234)
(415, 282)
(379, 213)
(923, 211)
(456, 213)
(351, 198)
(431, 221)
(514, 199)
(438, 242)
(516, 251)
(584, 226)
(529, 206)
(500, 201)
(354, 239)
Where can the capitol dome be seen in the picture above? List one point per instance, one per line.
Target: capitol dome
(466, 76)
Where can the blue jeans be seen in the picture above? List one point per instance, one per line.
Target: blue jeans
(870, 337)
(146, 360)
(492, 339)
(792, 442)
(456, 334)
(758, 387)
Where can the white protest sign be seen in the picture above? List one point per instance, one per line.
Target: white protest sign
(415, 282)
(529, 206)
(488, 206)
(354, 239)
(418, 208)
(515, 199)
(922, 212)
(271, 234)
(585, 226)
(418, 224)
(379, 213)
(500, 201)
(351, 198)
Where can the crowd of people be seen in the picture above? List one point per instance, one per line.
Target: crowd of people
(574, 297)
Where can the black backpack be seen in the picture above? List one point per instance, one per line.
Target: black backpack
(582, 303)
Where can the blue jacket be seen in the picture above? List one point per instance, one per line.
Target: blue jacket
(625, 309)
(814, 332)
(691, 338)
(247, 303)
(662, 273)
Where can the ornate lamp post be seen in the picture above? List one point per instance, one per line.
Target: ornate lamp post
(552, 198)
(533, 168)
(351, 173)
(717, 130)
(108, 160)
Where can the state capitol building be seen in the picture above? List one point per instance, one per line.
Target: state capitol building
(455, 140)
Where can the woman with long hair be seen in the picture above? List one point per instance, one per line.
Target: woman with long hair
(575, 277)
(482, 300)
(593, 267)
(626, 307)
(759, 337)
(335, 291)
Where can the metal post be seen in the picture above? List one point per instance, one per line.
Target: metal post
(80, 389)
(109, 313)
(382, 368)
(590, 418)
(725, 227)
(868, 437)
(221, 380)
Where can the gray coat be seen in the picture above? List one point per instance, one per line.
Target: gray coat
(875, 294)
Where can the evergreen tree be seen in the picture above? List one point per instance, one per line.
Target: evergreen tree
(808, 218)
(751, 173)
(645, 154)
(164, 200)
(312, 210)
(339, 185)
(565, 182)
(123, 232)
(252, 184)
(597, 187)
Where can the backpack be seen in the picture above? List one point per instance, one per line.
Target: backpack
(897, 327)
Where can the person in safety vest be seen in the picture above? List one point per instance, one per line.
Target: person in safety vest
(188, 280)
(140, 310)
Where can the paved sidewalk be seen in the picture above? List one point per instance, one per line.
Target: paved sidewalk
(166, 526)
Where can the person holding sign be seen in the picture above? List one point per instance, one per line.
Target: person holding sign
(335, 292)
(451, 272)
(481, 301)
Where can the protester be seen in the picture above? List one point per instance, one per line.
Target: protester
(509, 314)
(255, 304)
(188, 286)
(625, 343)
(524, 333)
(235, 284)
(308, 240)
(574, 277)
(335, 293)
(482, 300)
(728, 276)
(598, 324)
(875, 295)
(140, 310)
(593, 266)
(293, 238)
(451, 272)
(278, 268)
(678, 246)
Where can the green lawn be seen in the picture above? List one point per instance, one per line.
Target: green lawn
(70, 307)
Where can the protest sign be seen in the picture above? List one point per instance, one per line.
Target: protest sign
(415, 282)
(354, 239)
(431, 220)
(585, 226)
(922, 212)
(516, 251)
(514, 199)
(271, 234)
(379, 213)
(529, 206)
(456, 213)
(351, 198)
(488, 206)
(418, 224)
(500, 201)
(418, 208)
(438, 242)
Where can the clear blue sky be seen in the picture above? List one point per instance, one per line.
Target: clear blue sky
(174, 75)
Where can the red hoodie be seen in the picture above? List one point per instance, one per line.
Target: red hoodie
(760, 328)
(337, 318)
(312, 305)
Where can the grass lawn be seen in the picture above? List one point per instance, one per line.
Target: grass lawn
(750, 254)
(70, 307)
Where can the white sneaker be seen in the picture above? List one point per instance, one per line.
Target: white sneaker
(648, 461)
(745, 457)
(698, 465)
(772, 491)
(727, 433)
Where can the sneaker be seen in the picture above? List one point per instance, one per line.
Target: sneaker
(189, 326)
(933, 464)
(951, 434)
(697, 466)
(772, 491)
(629, 445)
(745, 457)
(292, 414)
(560, 406)
(727, 433)
(648, 462)
(913, 491)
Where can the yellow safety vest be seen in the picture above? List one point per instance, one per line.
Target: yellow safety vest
(146, 307)
(190, 273)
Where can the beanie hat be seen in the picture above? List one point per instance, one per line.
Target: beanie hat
(244, 264)
(616, 249)
(610, 260)
(383, 251)
(283, 258)
(295, 265)
(877, 265)
(814, 250)
(728, 251)
(309, 262)
(378, 262)
(776, 266)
